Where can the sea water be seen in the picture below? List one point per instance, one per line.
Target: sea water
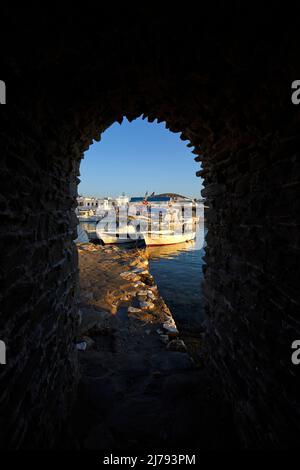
(177, 270)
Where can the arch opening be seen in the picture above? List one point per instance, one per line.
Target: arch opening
(137, 157)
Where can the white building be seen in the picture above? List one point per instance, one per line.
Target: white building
(90, 207)
(122, 200)
(86, 203)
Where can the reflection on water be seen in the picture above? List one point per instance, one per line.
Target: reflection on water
(177, 270)
(169, 251)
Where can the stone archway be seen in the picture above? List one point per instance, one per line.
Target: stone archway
(231, 101)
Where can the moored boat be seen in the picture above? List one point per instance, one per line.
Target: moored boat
(167, 237)
(124, 234)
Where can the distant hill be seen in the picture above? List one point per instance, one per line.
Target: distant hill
(172, 195)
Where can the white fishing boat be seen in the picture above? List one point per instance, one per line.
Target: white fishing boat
(119, 235)
(167, 237)
(160, 225)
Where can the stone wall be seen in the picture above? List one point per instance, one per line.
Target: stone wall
(38, 285)
(250, 287)
(68, 79)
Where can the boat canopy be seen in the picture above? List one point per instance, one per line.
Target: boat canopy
(151, 199)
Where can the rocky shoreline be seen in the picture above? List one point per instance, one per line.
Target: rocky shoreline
(113, 279)
(139, 386)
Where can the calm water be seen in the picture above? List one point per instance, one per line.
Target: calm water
(177, 270)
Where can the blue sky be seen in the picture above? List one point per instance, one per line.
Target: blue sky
(136, 157)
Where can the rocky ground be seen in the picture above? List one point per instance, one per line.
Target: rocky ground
(140, 388)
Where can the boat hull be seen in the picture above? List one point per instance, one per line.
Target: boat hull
(163, 239)
(111, 239)
(121, 235)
